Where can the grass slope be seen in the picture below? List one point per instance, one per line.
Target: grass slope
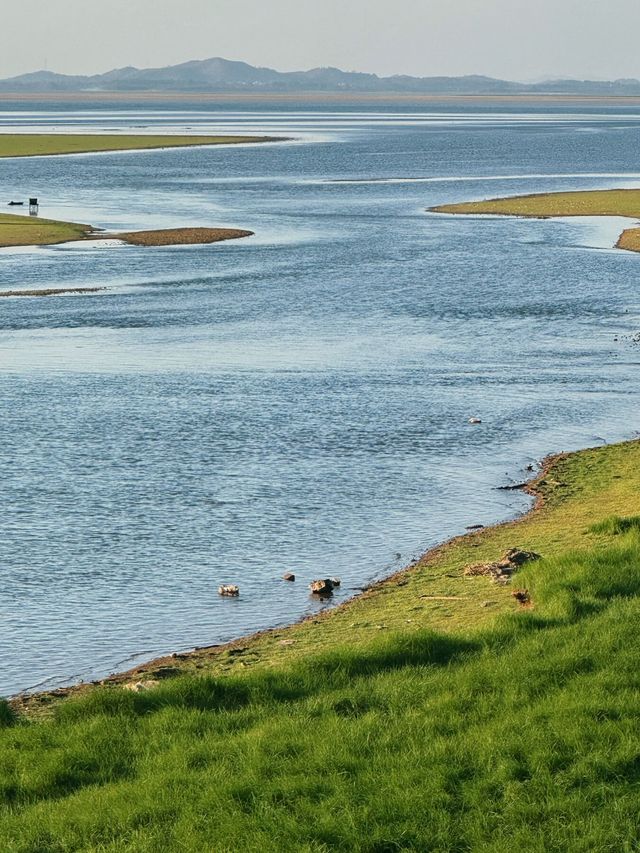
(38, 144)
(459, 727)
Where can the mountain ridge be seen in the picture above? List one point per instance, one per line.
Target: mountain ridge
(223, 75)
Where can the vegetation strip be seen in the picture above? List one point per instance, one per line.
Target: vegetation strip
(51, 291)
(47, 144)
(621, 202)
(474, 724)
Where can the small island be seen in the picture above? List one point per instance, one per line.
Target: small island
(32, 231)
(621, 202)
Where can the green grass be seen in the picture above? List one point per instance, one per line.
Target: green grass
(517, 729)
(38, 144)
(34, 231)
(580, 203)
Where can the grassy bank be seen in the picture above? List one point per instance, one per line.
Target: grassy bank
(432, 713)
(546, 205)
(39, 144)
(34, 231)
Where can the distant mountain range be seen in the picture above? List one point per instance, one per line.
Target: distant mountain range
(223, 75)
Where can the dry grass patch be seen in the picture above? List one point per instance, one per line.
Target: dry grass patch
(181, 236)
(629, 240)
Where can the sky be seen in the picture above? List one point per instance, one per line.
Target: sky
(510, 39)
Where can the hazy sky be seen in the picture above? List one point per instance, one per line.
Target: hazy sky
(503, 38)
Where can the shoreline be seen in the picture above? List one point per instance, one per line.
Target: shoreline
(526, 724)
(168, 665)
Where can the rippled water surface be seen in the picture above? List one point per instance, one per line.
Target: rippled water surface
(297, 401)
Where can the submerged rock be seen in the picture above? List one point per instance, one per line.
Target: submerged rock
(322, 587)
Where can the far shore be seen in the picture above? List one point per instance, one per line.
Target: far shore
(320, 96)
(617, 202)
(56, 144)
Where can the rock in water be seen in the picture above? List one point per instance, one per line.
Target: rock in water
(322, 587)
(475, 421)
(229, 589)
(287, 576)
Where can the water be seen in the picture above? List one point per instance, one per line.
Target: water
(298, 401)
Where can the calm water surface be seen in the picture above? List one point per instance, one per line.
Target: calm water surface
(297, 401)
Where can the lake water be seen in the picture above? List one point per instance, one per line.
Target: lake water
(297, 401)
